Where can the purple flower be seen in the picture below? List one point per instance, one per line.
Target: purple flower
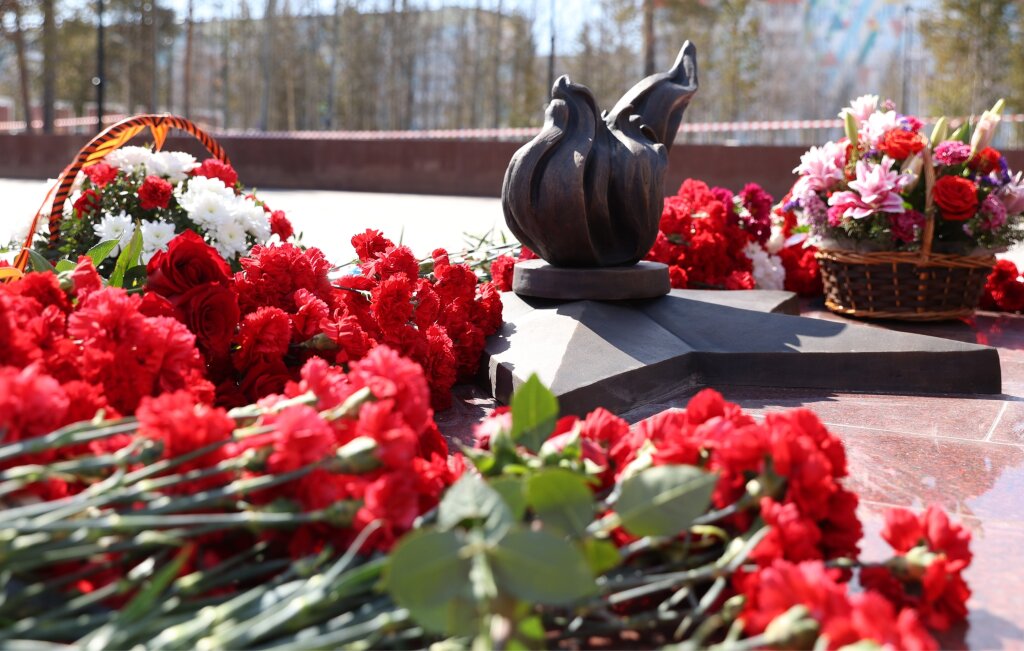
(993, 214)
(952, 152)
(1012, 195)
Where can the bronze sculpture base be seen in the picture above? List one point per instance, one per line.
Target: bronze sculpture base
(538, 279)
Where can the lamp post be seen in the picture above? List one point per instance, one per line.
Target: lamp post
(97, 81)
(907, 35)
(551, 55)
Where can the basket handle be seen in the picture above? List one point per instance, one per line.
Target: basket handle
(111, 139)
(929, 210)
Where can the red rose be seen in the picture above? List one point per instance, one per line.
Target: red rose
(956, 198)
(901, 144)
(100, 174)
(280, 226)
(154, 193)
(211, 312)
(87, 203)
(985, 161)
(188, 262)
(213, 168)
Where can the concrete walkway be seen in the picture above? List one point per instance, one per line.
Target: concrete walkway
(328, 220)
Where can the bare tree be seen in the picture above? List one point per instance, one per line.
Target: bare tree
(17, 37)
(49, 63)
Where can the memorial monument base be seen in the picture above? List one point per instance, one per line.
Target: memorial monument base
(620, 354)
(538, 279)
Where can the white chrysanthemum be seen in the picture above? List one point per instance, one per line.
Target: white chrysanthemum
(118, 227)
(199, 185)
(155, 237)
(230, 238)
(777, 240)
(130, 159)
(252, 217)
(767, 269)
(173, 165)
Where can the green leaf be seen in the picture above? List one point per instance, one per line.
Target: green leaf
(427, 573)
(64, 265)
(471, 499)
(101, 252)
(38, 262)
(602, 555)
(541, 568)
(963, 133)
(561, 499)
(511, 490)
(534, 412)
(135, 277)
(664, 500)
(129, 257)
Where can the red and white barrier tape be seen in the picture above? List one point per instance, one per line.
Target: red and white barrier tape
(523, 133)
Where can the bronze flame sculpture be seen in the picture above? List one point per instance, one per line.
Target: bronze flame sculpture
(588, 190)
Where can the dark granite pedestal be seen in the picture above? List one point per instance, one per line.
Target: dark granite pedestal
(619, 354)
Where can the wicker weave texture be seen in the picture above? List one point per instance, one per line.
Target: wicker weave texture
(899, 289)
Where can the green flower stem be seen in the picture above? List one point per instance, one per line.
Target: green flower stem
(115, 523)
(70, 435)
(348, 629)
(314, 591)
(186, 634)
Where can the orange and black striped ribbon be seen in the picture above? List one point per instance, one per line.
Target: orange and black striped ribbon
(114, 137)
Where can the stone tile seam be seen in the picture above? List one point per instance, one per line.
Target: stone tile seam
(959, 439)
(995, 423)
(1016, 526)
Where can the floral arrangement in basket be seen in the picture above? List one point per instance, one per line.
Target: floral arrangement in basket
(162, 194)
(918, 215)
(117, 201)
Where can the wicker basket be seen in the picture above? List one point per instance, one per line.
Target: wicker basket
(909, 286)
(112, 138)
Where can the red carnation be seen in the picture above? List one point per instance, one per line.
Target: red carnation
(154, 193)
(213, 168)
(280, 226)
(370, 244)
(188, 262)
(501, 272)
(900, 143)
(100, 174)
(264, 334)
(985, 161)
(183, 426)
(956, 198)
(87, 203)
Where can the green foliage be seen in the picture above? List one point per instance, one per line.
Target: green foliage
(561, 499)
(128, 258)
(534, 412)
(664, 500)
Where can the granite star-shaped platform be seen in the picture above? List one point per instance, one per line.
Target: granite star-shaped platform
(620, 354)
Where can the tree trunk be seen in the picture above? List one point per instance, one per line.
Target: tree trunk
(649, 40)
(266, 64)
(49, 64)
(186, 91)
(18, 37)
